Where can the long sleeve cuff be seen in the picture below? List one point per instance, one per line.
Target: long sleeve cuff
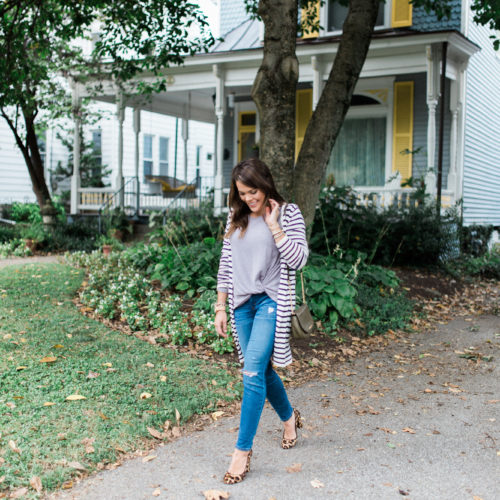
(222, 289)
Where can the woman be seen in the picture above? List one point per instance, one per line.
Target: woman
(265, 243)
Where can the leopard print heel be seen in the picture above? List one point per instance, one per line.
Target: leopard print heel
(237, 478)
(286, 444)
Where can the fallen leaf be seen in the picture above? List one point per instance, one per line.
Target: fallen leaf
(21, 492)
(75, 397)
(163, 378)
(157, 492)
(13, 447)
(150, 365)
(92, 374)
(48, 359)
(155, 433)
(294, 468)
(36, 483)
(77, 466)
(217, 414)
(148, 458)
(403, 492)
(316, 483)
(48, 403)
(475, 497)
(67, 485)
(409, 430)
(176, 432)
(145, 395)
(177, 416)
(19, 368)
(10, 405)
(215, 494)
(88, 442)
(58, 346)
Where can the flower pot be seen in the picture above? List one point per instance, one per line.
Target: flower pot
(106, 249)
(118, 234)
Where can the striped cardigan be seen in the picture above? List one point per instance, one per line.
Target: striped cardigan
(293, 255)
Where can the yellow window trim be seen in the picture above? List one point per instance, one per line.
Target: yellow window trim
(401, 13)
(402, 137)
(303, 113)
(242, 129)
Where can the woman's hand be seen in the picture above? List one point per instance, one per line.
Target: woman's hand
(221, 323)
(272, 213)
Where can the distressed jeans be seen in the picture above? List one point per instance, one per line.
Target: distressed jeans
(255, 324)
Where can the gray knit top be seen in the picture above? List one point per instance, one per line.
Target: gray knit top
(256, 262)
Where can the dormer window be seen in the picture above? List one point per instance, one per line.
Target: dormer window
(336, 14)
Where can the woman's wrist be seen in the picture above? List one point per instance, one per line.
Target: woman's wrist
(220, 306)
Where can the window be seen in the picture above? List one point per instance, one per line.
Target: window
(358, 157)
(163, 156)
(336, 14)
(147, 155)
(198, 155)
(96, 152)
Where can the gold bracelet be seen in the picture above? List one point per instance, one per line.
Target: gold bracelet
(277, 235)
(219, 307)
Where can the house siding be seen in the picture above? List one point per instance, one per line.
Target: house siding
(481, 182)
(422, 21)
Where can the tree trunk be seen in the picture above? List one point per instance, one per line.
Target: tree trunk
(333, 104)
(35, 167)
(274, 90)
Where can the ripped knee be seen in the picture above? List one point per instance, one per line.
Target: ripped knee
(249, 373)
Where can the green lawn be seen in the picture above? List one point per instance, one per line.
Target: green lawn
(128, 384)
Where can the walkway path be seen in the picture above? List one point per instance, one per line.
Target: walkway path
(37, 259)
(413, 420)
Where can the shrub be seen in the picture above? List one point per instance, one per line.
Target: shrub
(474, 239)
(409, 235)
(183, 227)
(486, 266)
(7, 233)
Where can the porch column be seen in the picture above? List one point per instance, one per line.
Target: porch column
(185, 135)
(432, 102)
(219, 113)
(137, 131)
(459, 154)
(120, 116)
(454, 104)
(317, 68)
(75, 178)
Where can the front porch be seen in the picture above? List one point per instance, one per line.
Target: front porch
(215, 88)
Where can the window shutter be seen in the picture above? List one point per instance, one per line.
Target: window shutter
(401, 14)
(303, 112)
(402, 138)
(313, 9)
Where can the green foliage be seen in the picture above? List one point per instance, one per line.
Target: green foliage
(120, 287)
(409, 235)
(188, 269)
(183, 227)
(338, 288)
(7, 233)
(24, 212)
(486, 266)
(474, 239)
(381, 309)
(111, 370)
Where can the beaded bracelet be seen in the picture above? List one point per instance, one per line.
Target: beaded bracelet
(219, 307)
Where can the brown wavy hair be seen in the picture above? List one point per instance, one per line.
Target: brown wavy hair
(253, 173)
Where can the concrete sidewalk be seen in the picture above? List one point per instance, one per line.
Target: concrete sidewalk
(414, 420)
